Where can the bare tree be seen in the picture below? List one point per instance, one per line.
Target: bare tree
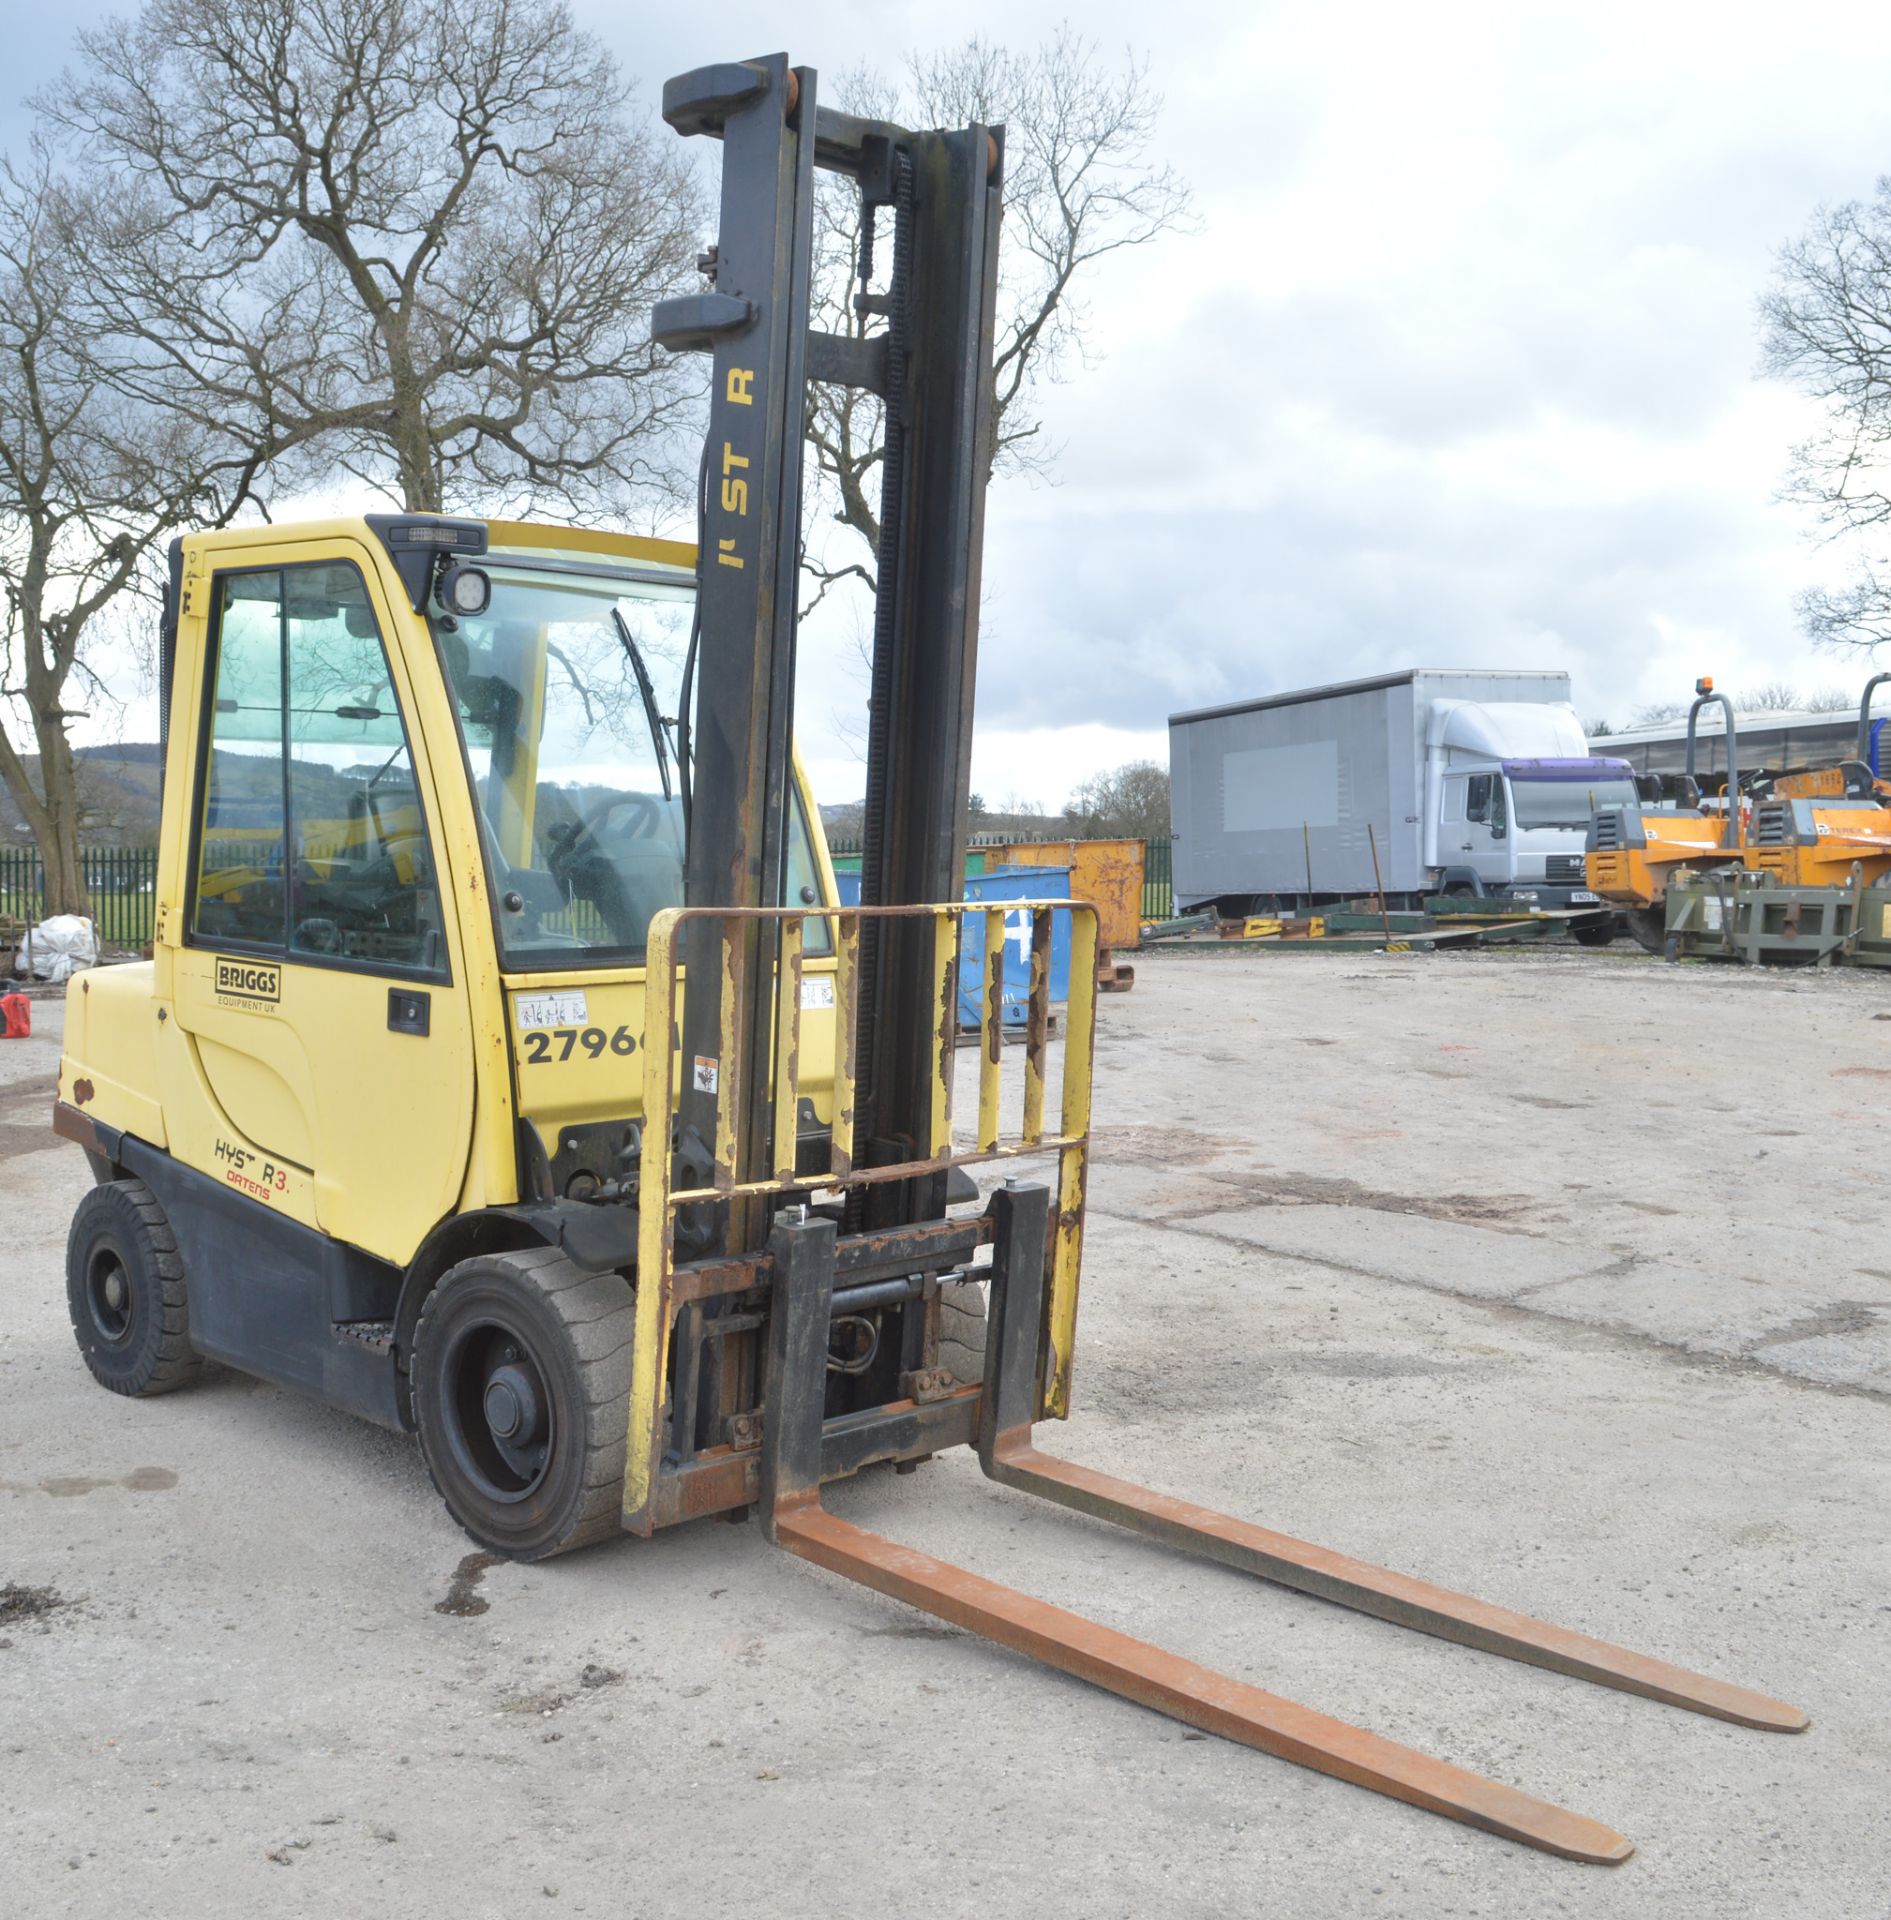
(1781, 696)
(1831, 700)
(1826, 329)
(418, 239)
(1127, 802)
(1080, 184)
(1771, 696)
(91, 479)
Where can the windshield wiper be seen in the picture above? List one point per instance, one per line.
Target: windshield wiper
(649, 693)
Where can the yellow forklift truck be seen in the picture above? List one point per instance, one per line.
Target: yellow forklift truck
(1632, 853)
(555, 1111)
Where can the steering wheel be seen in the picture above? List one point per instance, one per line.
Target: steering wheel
(410, 845)
(584, 870)
(649, 818)
(567, 846)
(316, 936)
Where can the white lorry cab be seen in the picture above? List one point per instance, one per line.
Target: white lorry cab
(1511, 786)
(1412, 784)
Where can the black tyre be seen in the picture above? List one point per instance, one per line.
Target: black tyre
(125, 1291)
(1598, 935)
(962, 1331)
(1649, 925)
(521, 1384)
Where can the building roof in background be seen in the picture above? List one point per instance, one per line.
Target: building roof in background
(1840, 724)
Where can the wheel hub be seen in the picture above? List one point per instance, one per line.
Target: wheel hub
(108, 1294)
(498, 1412)
(513, 1410)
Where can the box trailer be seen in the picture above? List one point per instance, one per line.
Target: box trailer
(1476, 783)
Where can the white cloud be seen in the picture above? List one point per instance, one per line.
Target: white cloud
(1458, 370)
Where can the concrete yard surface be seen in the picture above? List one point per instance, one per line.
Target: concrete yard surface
(1560, 1278)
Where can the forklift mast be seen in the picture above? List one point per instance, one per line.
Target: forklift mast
(930, 366)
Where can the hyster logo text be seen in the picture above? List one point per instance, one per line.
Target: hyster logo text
(249, 980)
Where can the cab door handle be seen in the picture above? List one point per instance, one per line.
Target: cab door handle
(408, 1011)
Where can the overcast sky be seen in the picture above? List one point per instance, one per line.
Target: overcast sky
(1458, 370)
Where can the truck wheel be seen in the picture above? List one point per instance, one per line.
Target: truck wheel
(1598, 935)
(521, 1383)
(1649, 925)
(962, 1331)
(125, 1292)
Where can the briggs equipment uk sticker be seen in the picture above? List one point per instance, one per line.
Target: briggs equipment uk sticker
(248, 983)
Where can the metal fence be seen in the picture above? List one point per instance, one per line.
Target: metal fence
(1158, 880)
(122, 883)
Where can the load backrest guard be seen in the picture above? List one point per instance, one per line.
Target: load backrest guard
(669, 1475)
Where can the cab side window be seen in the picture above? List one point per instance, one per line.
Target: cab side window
(345, 871)
(1477, 800)
(804, 879)
(241, 832)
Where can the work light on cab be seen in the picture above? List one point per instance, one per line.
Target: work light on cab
(466, 591)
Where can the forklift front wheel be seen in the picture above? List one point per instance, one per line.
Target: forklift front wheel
(962, 1331)
(521, 1392)
(125, 1292)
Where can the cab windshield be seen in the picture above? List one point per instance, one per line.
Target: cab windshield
(560, 686)
(565, 688)
(1568, 803)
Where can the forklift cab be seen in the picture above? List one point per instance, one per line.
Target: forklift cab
(393, 823)
(314, 836)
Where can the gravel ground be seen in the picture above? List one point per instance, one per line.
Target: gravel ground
(1563, 1278)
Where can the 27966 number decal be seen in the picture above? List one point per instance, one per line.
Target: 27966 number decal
(539, 1046)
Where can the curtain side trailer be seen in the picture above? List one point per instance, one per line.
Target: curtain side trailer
(1475, 783)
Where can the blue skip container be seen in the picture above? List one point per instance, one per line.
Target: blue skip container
(992, 889)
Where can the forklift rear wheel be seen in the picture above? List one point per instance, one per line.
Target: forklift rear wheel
(125, 1292)
(521, 1393)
